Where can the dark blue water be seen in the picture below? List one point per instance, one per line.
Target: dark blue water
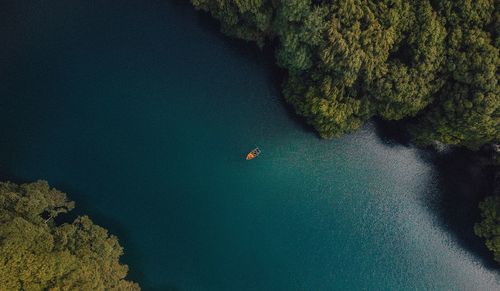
(143, 113)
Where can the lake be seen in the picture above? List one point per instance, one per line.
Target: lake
(143, 113)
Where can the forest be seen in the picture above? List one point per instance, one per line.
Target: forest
(39, 253)
(429, 64)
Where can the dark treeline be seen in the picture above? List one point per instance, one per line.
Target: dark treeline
(36, 253)
(432, 63)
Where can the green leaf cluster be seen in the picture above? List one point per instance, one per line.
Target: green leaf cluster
(467, 109)
(489, 227)
(36, 253)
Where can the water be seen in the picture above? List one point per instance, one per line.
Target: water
(143, 113)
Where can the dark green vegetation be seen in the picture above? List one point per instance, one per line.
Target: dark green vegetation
(489, 227)
(36, 253)
(347, 61)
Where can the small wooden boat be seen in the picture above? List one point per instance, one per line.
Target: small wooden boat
(253, 154)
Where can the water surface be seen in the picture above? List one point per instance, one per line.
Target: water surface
(143, 114)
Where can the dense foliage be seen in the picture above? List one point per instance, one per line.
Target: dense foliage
(38, 254)
(349, 60)
(489, 227)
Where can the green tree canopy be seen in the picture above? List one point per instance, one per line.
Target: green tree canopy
(489, 227)
(467, 109)
(38, 254)
(349, 60)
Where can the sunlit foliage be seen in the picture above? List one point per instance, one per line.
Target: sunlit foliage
(36, 253)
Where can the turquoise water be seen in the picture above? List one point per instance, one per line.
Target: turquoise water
(143, 113)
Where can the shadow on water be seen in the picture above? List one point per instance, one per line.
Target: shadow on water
(461, 180)
(390, 132)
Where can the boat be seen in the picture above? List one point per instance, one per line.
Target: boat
(253, 154)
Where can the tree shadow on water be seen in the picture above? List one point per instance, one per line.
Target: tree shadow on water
(462, 181)
(391, 133)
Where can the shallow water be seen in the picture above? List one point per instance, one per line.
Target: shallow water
(143, 114)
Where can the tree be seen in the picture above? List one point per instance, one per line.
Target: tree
(489, 227)
(36, 253)
(246, 19)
